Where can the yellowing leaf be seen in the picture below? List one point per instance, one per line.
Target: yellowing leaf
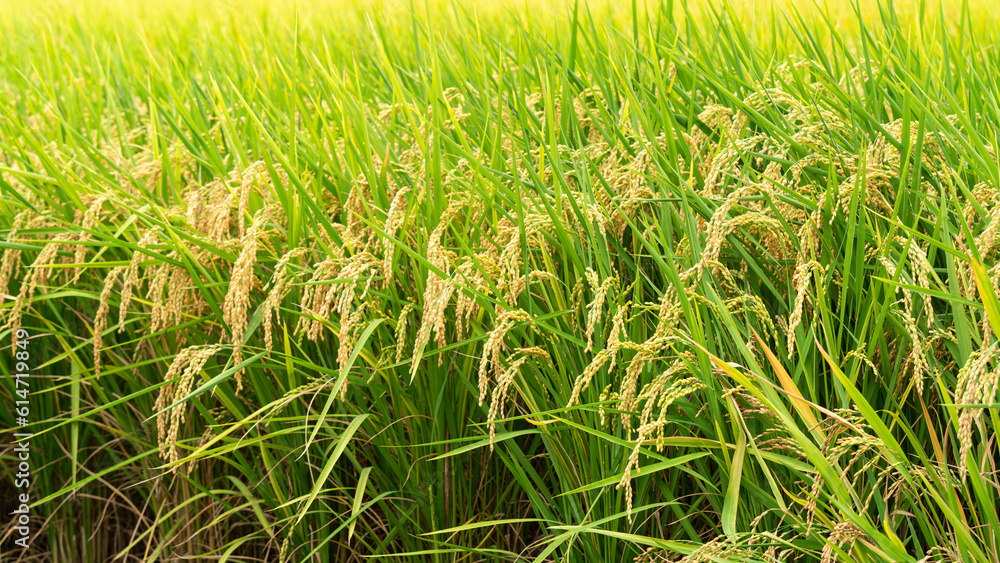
(798, 401)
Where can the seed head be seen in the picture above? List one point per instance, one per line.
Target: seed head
(101, 318)
(234, 309)
(131, 280)
(186, 365)
(280, 287)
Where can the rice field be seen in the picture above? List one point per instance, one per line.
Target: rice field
(573, 281)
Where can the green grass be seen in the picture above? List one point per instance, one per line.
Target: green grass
(500, 282)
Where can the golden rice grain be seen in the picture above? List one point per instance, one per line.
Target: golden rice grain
(131, 279)
(187, 364)
(11, 262)
(661, 393)
(438, 290)
(234, 309)
(90, 218)
(494, 347)
(280, 286)
(595, 308)
(101, 318)
(504, 382)
(843, 533)
(393, 221)
(400, 333)
(804, 273)
(976, 384)
(38, 274)
(583, 380)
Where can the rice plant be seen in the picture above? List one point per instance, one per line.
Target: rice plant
(499, 281)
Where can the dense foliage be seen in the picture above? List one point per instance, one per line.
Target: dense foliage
(449, 282)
